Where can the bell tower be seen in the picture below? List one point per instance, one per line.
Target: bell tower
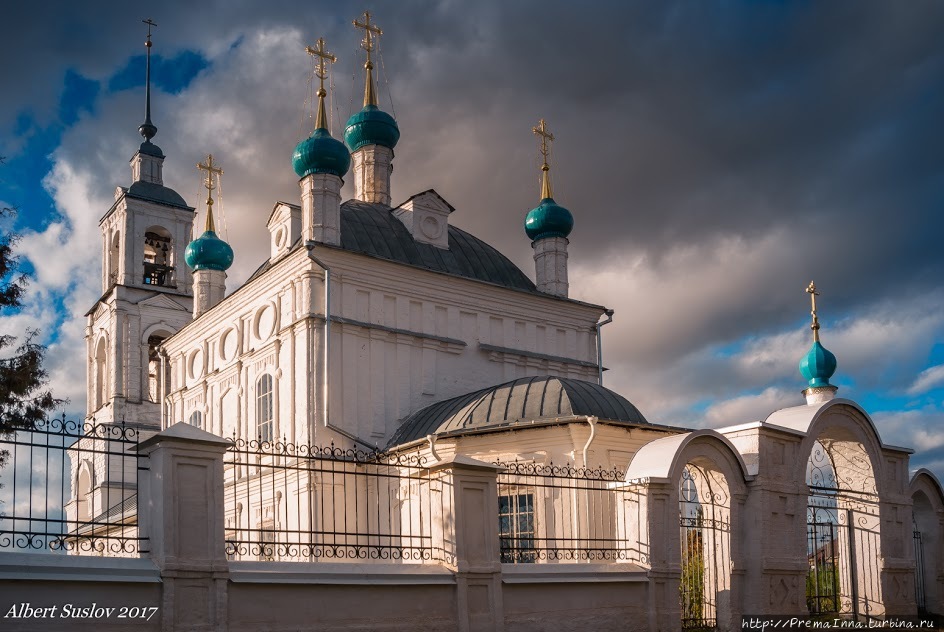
(146, 287)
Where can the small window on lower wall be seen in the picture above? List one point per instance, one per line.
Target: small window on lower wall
(516, 524)
(196, 419)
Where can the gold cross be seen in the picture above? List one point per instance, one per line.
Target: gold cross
(323, 56)
(208, 183)
(541, 130)
(370, 30)
(811, 290)
(546, 136)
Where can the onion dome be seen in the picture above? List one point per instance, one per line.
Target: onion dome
(818, 365)
(208, 252)
(320, 153)
(371, 126)
(548, 219)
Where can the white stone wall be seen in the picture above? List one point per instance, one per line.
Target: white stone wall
(401, 339)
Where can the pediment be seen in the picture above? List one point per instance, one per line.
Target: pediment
(164, 302)
(429, 200)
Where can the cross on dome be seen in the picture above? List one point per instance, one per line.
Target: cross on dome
(211, 170)
(323, 56)
(546, 137)
(370, 32)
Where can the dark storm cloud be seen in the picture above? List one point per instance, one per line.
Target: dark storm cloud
(721, 153)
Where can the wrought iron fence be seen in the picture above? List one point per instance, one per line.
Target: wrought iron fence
(292, 502)
(705, 538)
(920, 597)
(561, 513)
(71, 487)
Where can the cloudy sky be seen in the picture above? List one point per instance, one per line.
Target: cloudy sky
(716, 157)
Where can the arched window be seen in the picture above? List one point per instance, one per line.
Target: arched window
(83, 491)
(196, 419)
(264, 408)
(154, 366)
(158, 257)
(100, 375)
(114, 257)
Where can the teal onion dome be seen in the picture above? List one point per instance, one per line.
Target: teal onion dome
(320, 153)
(208, 252)
(371, 126)
(549, 219)
(818, 365)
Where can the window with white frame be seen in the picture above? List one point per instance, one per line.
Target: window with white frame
(264, 408)
(516, 524)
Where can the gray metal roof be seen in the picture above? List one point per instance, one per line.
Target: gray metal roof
(373, 230)
(523, 400)
(156, 193)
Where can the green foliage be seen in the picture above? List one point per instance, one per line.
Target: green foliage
(24, 398)
(821, 593)
(692, 582)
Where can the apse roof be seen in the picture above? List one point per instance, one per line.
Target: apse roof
(519, 401)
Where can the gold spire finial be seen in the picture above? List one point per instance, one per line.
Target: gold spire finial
(211, 169)
(370, 31)
(321, 72)
(811, 290)
(546, 137)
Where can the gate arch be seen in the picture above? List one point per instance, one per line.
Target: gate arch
(843, 529)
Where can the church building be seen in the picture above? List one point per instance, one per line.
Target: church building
(377, 323)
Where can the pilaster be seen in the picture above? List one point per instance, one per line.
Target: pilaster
(182, 514)
(473, 513)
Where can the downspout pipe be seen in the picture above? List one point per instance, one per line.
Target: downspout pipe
(325, 383)
(599, 325)
(592, 420)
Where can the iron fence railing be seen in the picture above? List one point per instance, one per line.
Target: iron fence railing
(291, 502)
(562, 513)
(71, 487)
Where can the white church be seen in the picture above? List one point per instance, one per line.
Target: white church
(376, 323)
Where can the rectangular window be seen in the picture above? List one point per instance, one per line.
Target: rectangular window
(516, 525)
(264, 430)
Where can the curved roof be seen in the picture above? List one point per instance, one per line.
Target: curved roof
(523, 400)
(373, 230)
(156, 193)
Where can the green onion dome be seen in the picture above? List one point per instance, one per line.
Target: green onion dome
(371, 126)
(320, 153)
(549, 219)
(818, 365)
(208, 252)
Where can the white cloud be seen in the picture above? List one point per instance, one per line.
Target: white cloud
(931, 377)
(747, 408)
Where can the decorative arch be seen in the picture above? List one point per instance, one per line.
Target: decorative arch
(927, 496)
(841, 463)
(698, 530)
